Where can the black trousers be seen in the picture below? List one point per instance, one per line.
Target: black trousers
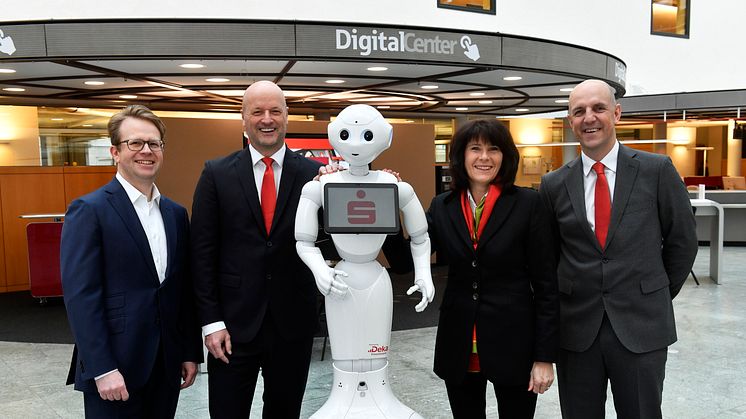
(636, 379)
(284, 365)
(468, 401)
(157, 400)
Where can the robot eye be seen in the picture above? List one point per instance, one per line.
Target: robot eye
(344, 135)
(368, 135)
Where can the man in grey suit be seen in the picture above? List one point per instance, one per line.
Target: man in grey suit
(619, 268)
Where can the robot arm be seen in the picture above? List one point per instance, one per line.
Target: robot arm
(416, 224)
(328, 280)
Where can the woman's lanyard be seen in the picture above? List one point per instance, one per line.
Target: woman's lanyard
(477, 219)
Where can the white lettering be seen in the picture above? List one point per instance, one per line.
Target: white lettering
(340, 34)
(402, 41)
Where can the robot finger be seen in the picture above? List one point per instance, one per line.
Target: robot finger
(412, 289)
(340, 273)
(422, 305)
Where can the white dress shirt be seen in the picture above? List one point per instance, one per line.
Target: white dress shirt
(259, 168)
(589, 181)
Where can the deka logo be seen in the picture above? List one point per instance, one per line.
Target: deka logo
(402, 41)
(6, 44)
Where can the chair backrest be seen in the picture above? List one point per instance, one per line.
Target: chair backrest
(734, 182)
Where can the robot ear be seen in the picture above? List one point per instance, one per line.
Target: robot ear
(391, 136)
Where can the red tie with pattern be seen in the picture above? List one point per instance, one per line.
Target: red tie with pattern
(269, 195)
(602, 203)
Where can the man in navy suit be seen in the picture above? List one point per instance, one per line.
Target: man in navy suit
(126, 282)
(256, 299)
(627, 241)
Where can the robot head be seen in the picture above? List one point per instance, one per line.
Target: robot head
(360, 134)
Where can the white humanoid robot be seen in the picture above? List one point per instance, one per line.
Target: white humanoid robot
(358, 294)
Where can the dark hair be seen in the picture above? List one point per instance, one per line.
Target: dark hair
(491, 132)
(137, 112)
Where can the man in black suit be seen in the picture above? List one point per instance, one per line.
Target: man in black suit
(256, 299)
(125, 274)
(627, 242)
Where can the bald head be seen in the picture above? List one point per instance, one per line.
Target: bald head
(262, 88)
(592, 85)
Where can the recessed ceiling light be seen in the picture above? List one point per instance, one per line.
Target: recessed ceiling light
(561, 101)
(192, 65)
(14, 89)
(512, 78)
(522, 109)
(462, 109)
(128, 96)
(430, 86)
(334, 81)
(476, 94)
(377, 68)
(57, 119)
(485, 102)
(87, 125)
(566, 89)
(7, 71)
(94, 83)
(383, 107)
(217, 80)
(409, 121)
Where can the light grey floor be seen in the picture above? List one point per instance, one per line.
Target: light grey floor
(705, 370)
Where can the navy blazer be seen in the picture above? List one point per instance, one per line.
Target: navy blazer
(118, 310)
(243, 274)
(507, 287)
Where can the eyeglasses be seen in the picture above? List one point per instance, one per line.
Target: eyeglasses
(138, 145)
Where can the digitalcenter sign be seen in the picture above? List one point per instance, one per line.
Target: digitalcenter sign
(399, 41)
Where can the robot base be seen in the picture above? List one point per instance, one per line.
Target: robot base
(363, 395)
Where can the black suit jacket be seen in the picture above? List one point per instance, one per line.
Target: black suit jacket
(650, 248)
(118, 310)
(507, 286)
(241, 273)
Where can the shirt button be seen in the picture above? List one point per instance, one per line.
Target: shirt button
(475, 296)
(473, 263)
(269, 244)
(269, 276)
(474, 285)
(605, 260)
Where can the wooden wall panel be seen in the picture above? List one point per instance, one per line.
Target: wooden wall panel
(3, 285)
(82, 180)
(26, 190)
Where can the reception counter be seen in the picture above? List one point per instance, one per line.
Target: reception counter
(733, 204)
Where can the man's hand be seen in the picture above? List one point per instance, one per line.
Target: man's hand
(542, 377)
(426, 287)
(219, 344)
(111, 387)
(328, 169)
(391, 172)
(188, 374)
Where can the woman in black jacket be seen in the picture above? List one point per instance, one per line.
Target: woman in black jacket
(499, 319)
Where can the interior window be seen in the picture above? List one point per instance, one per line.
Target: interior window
(670, 18)
(479, 6)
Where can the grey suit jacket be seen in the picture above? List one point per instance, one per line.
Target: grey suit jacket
(650, 249)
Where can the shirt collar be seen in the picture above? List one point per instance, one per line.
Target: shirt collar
(278, 157)
(133, 194)
(609, 160)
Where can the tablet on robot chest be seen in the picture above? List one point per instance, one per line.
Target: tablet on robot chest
(361, 208)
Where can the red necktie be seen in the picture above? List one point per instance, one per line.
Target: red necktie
(269, 195)
(602, 203)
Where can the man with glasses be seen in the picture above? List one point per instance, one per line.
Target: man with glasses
(127, 285)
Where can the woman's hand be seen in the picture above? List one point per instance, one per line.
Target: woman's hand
(542, 377)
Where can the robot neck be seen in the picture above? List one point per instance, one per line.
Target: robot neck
(359, 170)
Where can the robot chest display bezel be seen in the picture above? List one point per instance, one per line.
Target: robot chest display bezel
(374, 211)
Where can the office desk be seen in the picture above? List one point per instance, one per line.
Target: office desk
(709, 208)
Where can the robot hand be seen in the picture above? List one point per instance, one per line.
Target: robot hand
(426, 287)
(331, 283)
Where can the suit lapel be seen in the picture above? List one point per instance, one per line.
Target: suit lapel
(289, 173)
(244, 168)
(503, 206)
(121, 203)
(453, 206)
(169, 225)
(626, 174)
(574, 186)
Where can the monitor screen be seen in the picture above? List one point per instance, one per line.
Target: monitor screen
(359, 208)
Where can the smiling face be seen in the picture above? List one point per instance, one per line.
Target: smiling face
(482, 162)
(139, 168)
(265, 117)
(593, 114)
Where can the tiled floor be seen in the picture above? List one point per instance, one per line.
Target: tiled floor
(705, 370)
